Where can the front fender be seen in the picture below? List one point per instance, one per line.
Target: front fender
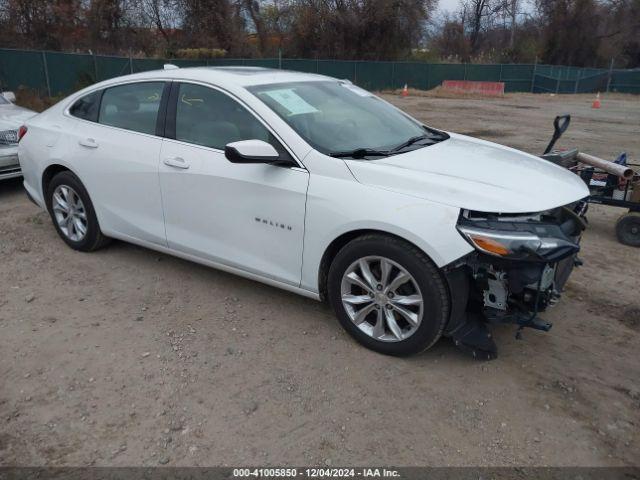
(337, 206)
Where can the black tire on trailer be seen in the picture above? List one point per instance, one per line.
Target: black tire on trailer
(628, 229)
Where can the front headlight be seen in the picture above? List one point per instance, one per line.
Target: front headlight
(518, 245)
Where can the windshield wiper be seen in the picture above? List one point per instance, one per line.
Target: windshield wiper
(360, 153)
(410, 142)
(368, 152)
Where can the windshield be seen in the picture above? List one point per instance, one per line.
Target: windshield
(4, 101)
(338, 118)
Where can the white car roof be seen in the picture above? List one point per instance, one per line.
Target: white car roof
(230, 76)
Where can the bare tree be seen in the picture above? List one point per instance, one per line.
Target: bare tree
(253, 9)
(366, 29)
(215, 23)
(570, 31)
(107, 22)
(52, 24)
(164, 16)
(452, 43)
(577, 32)
(477, 15)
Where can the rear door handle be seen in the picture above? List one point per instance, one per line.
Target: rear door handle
(176, 162)
(88, 142)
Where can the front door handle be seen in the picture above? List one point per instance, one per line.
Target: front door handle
(176, 162)
(89, 143)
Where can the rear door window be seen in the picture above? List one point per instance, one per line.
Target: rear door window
(88, 107)
(133, 107)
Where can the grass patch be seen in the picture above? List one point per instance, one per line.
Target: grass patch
(35, 100)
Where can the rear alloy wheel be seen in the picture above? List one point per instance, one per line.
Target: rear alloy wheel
(388, 295)
(72, 213)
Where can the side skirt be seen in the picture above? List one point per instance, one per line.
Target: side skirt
(218, 266)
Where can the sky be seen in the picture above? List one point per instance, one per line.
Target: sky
(448, 5)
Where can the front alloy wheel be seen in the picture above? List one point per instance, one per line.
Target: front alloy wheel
(388, 294)
(382, 299)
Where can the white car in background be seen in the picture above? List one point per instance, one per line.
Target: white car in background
(12, 118)
(316, 186)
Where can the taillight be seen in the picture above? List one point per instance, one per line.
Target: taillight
(22, 131)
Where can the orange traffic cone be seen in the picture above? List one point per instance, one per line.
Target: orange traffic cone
(596, 102)
(405, 91)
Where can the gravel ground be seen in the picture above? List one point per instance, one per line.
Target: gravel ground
(130, 357)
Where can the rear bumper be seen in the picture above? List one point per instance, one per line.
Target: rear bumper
(31, 199)
(9, 164)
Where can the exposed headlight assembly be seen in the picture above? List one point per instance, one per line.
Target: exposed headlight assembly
(526, 240)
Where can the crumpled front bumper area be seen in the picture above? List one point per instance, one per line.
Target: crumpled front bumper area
(486, 289)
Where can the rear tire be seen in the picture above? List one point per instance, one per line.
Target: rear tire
(72, 213)
(404, 305)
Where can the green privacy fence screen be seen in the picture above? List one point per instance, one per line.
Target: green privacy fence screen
(55, 73)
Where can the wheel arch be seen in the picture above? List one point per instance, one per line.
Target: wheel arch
(343, 239)
(47, 175)
(51, 171)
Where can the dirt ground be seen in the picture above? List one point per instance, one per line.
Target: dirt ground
(130, 357)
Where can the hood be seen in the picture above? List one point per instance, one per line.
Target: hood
(474, 174)
(12, 116)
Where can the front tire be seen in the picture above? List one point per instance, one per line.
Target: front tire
(72, 213)
(388, 295)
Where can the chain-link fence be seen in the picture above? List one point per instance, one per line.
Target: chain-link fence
(55, 73)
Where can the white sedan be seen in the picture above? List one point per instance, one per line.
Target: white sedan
(316, 186)
(11, 118)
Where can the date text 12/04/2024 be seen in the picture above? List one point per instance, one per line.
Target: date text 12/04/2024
(315, 472)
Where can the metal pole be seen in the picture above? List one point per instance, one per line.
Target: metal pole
(393, 75)
(427, 75)
(95, 68)
(610, 73)
(465, 71)
(130, 62)
(280, 58)
(533, 76)
(46, 72)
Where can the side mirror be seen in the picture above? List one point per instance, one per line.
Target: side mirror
(9, 96)
(251, 151)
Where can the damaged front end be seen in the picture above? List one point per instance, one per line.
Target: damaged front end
(518, 269)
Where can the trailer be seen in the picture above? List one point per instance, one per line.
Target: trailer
(610, 183)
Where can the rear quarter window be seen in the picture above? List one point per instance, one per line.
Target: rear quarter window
(87, 107)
